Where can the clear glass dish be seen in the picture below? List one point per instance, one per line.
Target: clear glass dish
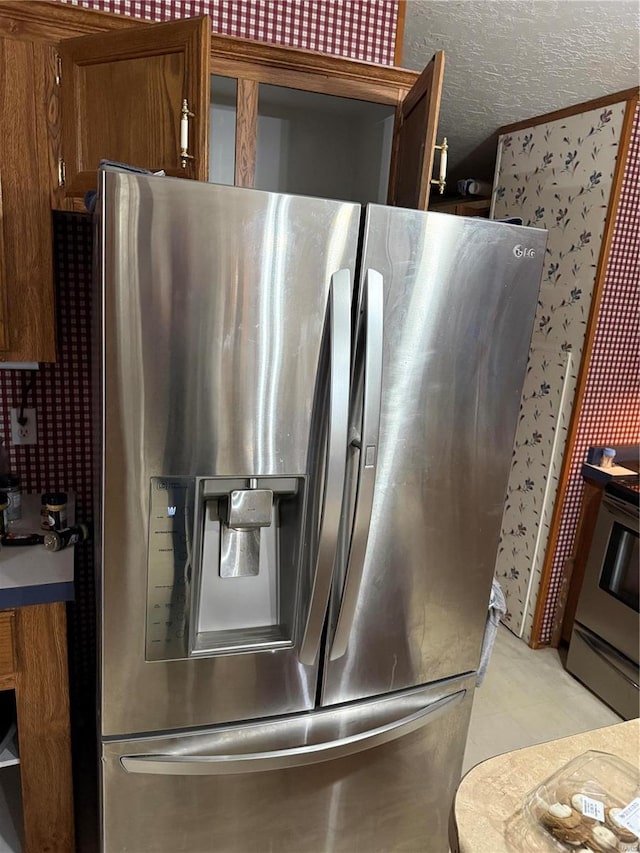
(578, 807)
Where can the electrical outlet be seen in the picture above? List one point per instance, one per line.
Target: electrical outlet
(26, 433)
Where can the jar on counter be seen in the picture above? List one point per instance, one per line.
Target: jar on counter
(4, 505)
(53, 511)
(608, 455)
(10, 485)
(56, 540)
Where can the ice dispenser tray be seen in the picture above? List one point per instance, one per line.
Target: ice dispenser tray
(227, 551)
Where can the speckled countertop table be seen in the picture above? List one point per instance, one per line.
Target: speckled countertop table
(487, 811)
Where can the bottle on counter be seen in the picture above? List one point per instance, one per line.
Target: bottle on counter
(4, 505)
(10, 485)
(56, 540)
(53, 511)
(608, 455)
(5, 466)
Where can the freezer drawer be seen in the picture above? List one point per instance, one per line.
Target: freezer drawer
(372, 776)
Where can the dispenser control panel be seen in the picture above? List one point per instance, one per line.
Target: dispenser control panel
(170, 529)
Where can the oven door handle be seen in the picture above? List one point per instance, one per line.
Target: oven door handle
(606, 653)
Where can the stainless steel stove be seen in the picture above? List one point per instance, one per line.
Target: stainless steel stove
(603, 652)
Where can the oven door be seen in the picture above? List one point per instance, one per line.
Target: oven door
(608, 604)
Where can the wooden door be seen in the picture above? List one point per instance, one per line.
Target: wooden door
(27, 304)
(414, 138)
(122, 94)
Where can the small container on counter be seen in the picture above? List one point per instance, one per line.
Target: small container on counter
(588, 804)
(10, 485)
(53, 512)
(56, 540)
(608, 455)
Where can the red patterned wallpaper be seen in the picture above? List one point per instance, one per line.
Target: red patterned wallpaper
(610, 411)
(358, 29)
(61, 396)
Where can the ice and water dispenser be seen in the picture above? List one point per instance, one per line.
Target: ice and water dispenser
(223, 560)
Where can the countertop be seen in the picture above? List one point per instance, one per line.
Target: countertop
(487, 809)
(626, 460)
(30, 574)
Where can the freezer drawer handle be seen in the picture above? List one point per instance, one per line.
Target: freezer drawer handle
(280, 759)
(608, 655)
(340, 353)
(372, 394)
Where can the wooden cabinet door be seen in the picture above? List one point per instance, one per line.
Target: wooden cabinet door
(121, 98)
(27, 306)
(414, 138)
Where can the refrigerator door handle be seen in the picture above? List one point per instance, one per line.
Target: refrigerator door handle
(374, 330)
(300, 756)
(340, 354)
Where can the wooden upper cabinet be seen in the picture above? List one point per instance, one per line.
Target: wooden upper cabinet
(122, 95)
(414, 138)
(27, 305)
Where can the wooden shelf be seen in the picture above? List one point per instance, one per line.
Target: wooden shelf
(462, 206)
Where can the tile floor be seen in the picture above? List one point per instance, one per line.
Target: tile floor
(528, 697)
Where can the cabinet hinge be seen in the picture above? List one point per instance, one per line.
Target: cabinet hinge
(62, 172)
(58, 69)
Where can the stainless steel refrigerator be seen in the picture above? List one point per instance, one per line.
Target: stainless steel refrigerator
(305, 415)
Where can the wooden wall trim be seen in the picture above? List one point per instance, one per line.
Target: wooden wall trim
(592, 322)
(400, 22)
(363, 89)
(589, 508)
(229, 49)
(41, 20)
(595, 104)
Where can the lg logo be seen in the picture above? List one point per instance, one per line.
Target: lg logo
(522, 252)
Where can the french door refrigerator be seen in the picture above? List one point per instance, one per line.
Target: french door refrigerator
(305, 413)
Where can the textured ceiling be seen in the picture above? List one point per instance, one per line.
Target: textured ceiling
(508, 60)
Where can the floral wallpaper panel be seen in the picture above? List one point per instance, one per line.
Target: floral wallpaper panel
(557, 175)
(610, 407)
(543, 404)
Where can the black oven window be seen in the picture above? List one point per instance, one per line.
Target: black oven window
(620, 574)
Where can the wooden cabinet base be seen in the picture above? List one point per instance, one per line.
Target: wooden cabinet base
(42, 701)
